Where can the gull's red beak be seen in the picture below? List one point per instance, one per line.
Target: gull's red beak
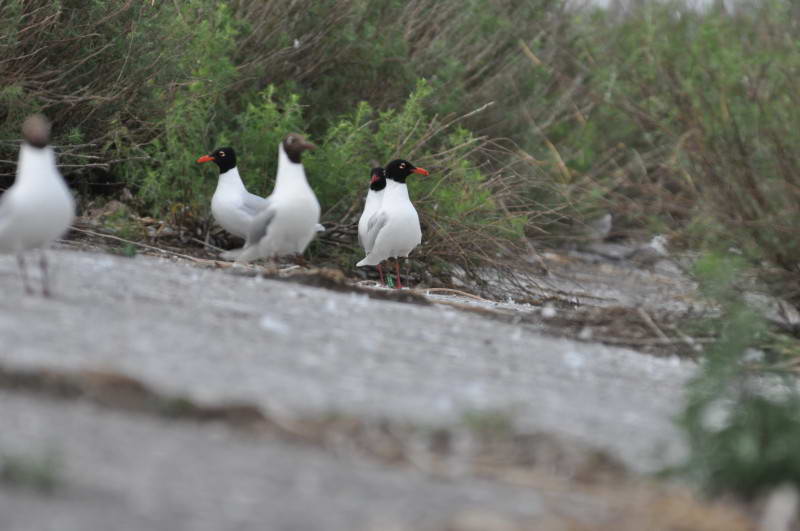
(206, 158)
(374, 179)
(421, 171)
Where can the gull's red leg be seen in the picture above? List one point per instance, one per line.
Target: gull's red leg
(380, 271)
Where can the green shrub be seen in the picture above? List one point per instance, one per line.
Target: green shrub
(457, 202)
(99, 70)
(743, 428)
(43, 473)
(112, 70)
(682, 115)
(668, 116)
(169, 176)
(753, 450)
(138, 91)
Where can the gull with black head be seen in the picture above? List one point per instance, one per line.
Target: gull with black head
(232, 206)
(393, 231)
(372, 203)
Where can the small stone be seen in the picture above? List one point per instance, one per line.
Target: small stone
(548, 311)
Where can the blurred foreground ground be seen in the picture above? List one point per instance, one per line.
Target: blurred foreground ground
(155, 394)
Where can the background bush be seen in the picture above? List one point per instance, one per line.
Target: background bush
(673, 119)
(190, 76)
(687, 123)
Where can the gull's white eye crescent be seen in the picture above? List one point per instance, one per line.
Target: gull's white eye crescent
(221, 153)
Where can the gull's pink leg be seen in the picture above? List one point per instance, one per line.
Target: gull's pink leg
(380, 271)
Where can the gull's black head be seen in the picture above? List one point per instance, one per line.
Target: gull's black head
(294, 145)
(224, 157)
(377, 179)
(399, 169)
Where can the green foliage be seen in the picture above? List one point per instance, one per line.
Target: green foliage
(743, 435)
(40, 473)
(235, 73)
(99, 68)
(752, 450)
(717, 275)
(169, 176)
(692, 120)
(338, 170)
(669, 117)
(123, 223)
(256, 133)
(490, 424)
(128, 250)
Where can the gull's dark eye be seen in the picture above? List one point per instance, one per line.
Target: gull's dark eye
(402, 166)
(221, 153)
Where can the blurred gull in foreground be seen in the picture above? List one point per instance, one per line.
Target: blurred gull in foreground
(38, 208)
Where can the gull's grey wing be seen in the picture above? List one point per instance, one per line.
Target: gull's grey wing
(260, 224)
(253, 204)
(374, 225)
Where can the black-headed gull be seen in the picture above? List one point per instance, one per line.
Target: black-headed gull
(377, 184)
(289, 220)
(232, 206)
(393, 231)
(38, 208)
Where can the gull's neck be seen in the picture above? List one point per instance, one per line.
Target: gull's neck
(36, 164)
(230, 178)
(374, 198)
(395, 191)
(291, 175)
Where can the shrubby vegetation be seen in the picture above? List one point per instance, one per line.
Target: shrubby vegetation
(673, 119)
(742, 424)
(707, 104)
(138, 91)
